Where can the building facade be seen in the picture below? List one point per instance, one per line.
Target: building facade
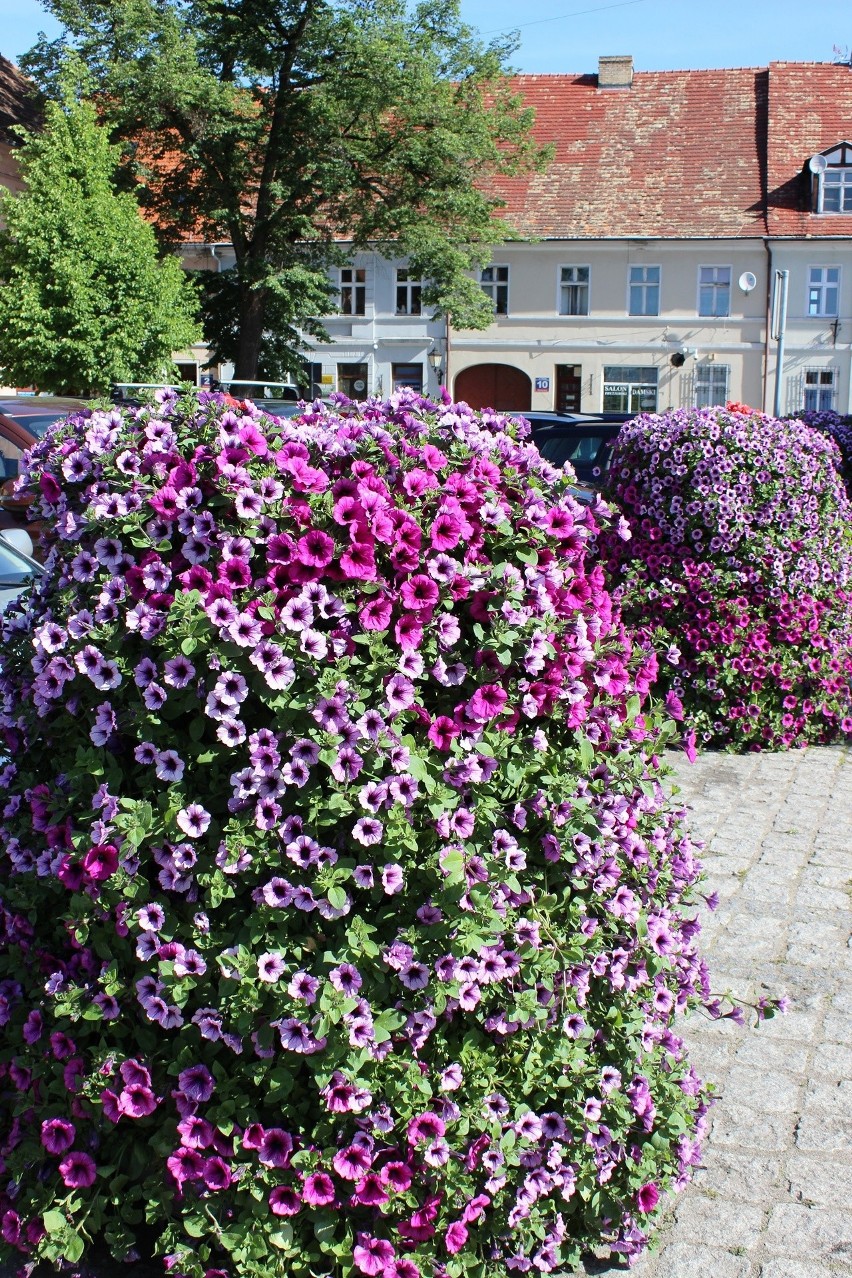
(656, 239)
(655, 247)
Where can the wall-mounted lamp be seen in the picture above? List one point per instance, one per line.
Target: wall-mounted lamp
(436, 361)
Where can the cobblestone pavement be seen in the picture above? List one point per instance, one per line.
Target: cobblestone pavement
(774, 1196)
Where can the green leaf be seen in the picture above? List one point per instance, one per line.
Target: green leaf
(337, 898)
(54, 1222)
(73, 1247)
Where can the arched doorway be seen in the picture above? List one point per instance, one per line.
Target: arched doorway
(498, 386)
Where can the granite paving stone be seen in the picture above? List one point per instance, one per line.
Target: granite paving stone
(773, 1197)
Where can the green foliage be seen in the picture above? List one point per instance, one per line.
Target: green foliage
(87, 300)
(291, 126)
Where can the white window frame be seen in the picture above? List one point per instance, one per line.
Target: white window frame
(631, 390)
(715, 374)
(494, 281)
(410, 289)
(715, 282)
(353, 290)
(840, 181)
(573, 283)
(833, 179)
(822, 380)
(820, 302)
(644, 287)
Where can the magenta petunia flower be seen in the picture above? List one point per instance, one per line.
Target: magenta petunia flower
(136, 1101)
(284, 1201)
(487, 702)
(647, 1197)
(372, 1255)
(100, 862)
(318, 1190)
(78, 1170)
(352, 1163)
(376, 613)
(57, 1135)
(216, 1174)
(455, 1237)
(424, 1127)
(315, 548)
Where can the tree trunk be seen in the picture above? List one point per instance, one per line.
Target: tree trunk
(252, 316)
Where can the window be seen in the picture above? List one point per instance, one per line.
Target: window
(823, 290)
(711, 384)
(644, 290)
(495, 282)
(714, 290)
(820, 387)
(573, 290)
(352, 380)
(353, 290)
(629, 389)
(831, 180)
(837, 191)
(408, 375)
(408, 292)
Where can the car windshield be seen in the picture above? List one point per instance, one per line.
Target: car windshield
(15, 570)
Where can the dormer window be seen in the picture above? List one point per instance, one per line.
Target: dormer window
(831, 179)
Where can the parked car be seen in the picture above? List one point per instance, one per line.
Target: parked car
(24, 419)
(583, 439)
(281, 399)
(16, 569)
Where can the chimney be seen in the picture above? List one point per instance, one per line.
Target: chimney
(615, 72)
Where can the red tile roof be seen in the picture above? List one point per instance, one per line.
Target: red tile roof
(683, 154)
(810, 109)
(18, 102)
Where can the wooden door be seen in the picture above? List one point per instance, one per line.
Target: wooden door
(498, 386)
(568, 388)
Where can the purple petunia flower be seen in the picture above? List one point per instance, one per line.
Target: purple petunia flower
(78, 1170)
(193, 820)
(196, 1083)
(57, 1135)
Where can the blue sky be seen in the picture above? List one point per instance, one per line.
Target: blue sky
(566, 36)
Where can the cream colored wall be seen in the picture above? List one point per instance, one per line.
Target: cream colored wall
(813, 342)
(535, 338)
(9, 174)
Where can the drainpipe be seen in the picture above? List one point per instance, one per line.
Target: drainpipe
(779, 325)
(768, 325)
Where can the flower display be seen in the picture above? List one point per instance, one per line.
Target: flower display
(344, 917)
(838, 428)
(739, 570)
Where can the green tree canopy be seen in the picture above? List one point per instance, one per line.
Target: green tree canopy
(87, 299)
(302, 130)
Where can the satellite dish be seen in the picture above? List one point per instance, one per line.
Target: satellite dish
(747, 281)
(817, 164)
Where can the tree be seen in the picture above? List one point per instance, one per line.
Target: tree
(303, 130)
(87, 298)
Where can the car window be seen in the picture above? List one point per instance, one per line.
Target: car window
(559, 449)
(37, 423)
